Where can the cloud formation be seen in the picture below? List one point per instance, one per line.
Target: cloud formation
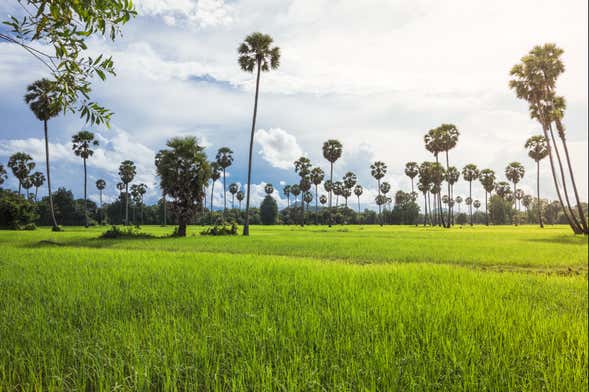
(278, 147)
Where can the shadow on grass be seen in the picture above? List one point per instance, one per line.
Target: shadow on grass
(565, 240)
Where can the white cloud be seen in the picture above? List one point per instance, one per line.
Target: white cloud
(202, 13)
(278, 147)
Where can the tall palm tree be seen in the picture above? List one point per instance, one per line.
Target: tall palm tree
(487, 179)
(81, 144)
(424, 185)
(256, 54)
(100, 185)
(458, 200)
(411, 171)
(37, 179)
(42, 100)
(349, 180)
(337, 188)
(121, 188)
(307, 198)
(378, 170)
(286, 191)
(332, 151)
(141, 190)
(537, 150)
(240, 196)
(224, 159)
(305, 186)
(358, 190)
(514, 173)
(233, 188)
(502, 189)
(215, 175)
(27, 184)
(476, 204)
(127, 171)
(452, 177)
(438, 174)
(3, 175)
(295, 190)
(448, 134)
(269, 189)
(317, 176)
(21, 165)
(470, 173)
(534, 80)
(303, 169)
(385, 187)
(437, 140)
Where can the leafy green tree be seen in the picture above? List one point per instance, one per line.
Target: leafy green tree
(37, 179)
(500, 210)
(358, 190)
(63, 27)
(317, 175)
(332, 151)
(233, 188)
(470, 173)
(268, 210)
(534, 80)
(184, 172)
(44, 102)
(406, 210)
(537, 150)
(378, 170)
(16, 211)
(21, 165)
(127, 172)
(256, 54)
(81, 144)
(224, 160)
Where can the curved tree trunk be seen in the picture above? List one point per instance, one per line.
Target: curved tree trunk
(47, 169)
(85, 194)
(246, 225)
(539, 205)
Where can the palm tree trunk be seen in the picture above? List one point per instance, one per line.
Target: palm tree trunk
(212, 192)
(470, 205)
(316, 205)
(358, 204)
(224, 195)
(539, 203)
(246, 225)
(514, 221)
(36, 190)
(85, 194)
(232, 201)
(486, 209)
(379, 205)
(127, 204)
(47, 169)
(330, 190)
(19, 187)
(303, 210)
(101, 212)
(449, 192)
(165, 209)
(424, 209)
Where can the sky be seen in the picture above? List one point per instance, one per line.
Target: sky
(376, 74)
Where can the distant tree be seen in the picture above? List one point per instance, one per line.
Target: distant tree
(461, 219)
(216, 170)
(358, 190)
(406, 210)
(424, 185)
(16, 211)
(502, 189)
(487, 179)
(121, 188)
(183, 170)
(411, 171)
(240, 196)
(27, 184)
(438, 174)
(378, 170)
(286, 191)
(470, 173)
(3, 175)
(268, 210)
(269, 189)
(295, 190)
(233, 188)
(458, 200)
(21, 165)
(323, 199)
(317, 176)
(224, 160)
(308, 198)
(256, 53)
(81, 144)
(303, 169)
(138, 191)
(514, 173)
(332, 151)
(37, 179)
(537, 150)
(100, 185)
(127, 171)
(476, 204)
(305, 186)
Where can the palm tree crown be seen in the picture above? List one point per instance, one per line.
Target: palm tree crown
(537, 147)
(257, 50)
(41, 98)
(81, 143)
(332, 150)
(515, 172)
(100, 184)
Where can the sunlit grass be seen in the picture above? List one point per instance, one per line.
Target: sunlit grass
(252, 314)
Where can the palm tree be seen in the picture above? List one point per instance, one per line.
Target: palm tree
(518, 195)
(307, 198)
(141, 190)
(411, 171)
(438, 174)
(233, 188)
(458, 200)
(286, 191)
(224, 159)
(303, 169)
(502, 189)
(378, 170)
(256, 53)
(21, 165)
(38, 179)
(239, 196)
(476, 204)
(350, 179)
(121, 188)
(385, 187)
(452, 177)
(537, 150)
(317, 176)
(487, 179)
(332, 151)
(100, 185)
(337, 191)
(323, 199)
(534, 80)
(27, 184)
(81, 143)
(514, 172)
(358, 190)
(527, 202)
(470, 173)
(42, 100)
(215, 175)
(127, 171)
(269, 189)
(305, 186)
(424, 185)
(295, 190)
(3, 175)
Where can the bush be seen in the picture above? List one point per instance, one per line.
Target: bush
(268, 211)
(130, 233)
(223, 228)
(16, 212)
(461, 218)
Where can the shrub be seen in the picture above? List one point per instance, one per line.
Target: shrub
(223, 228)
(16, 212)
(116, 233)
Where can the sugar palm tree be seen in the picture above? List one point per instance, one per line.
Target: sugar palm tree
(476, 204)
(424, 185)
(358, 190)
(21, 165)
(317, 175)
(332, 151)
(269, 189)
(141, 191)
(37, 179)
(487, 179)
(502, 189)
(256, 54)
(537, 150)
(438, 174)
(322, 199)
(458, 200)
(411, 171)
(27, 184)
(452, 177)
(215, 175)
(224, 159)
(534, 80)
(527, 202)
(233, 188)
(3, 175)
(307, 198)
(121, 187)
(337, 191)
(350, 179)
(42, 100)
(239, 196)
(305, 186)
(295, 190)
(127, 171)
(378, 170)
(470, 173)
(81, 144)
(286, 191)
(100, 185)
(514, 172)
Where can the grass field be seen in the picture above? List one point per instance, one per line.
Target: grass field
(347, 308)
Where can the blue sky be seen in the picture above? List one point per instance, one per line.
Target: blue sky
(376, 75)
